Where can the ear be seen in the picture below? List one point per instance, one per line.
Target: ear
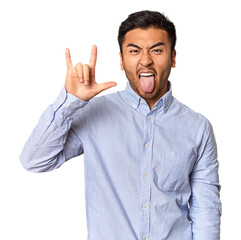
(174, 53)
(121, 62)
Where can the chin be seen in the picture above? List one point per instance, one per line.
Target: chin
(148, 95)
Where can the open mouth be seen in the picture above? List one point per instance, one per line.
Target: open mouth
(147, 81)
(146, 75)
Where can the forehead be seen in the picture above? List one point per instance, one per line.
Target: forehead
(146, 37)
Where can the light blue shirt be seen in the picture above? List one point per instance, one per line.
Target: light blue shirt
(149, 174)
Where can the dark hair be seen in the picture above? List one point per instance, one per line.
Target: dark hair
(145, 20)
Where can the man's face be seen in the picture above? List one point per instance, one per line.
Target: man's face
(147, 60)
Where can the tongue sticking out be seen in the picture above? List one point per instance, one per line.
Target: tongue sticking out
(147, 84)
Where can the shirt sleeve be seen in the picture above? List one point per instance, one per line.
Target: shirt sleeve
(53, 141)
(205, 204)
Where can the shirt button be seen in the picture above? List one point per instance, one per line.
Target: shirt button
(147, 145)
(142, 101)
(134, 105)
(148, 117)
(143, 237)
(145, 175)
(143, 206)
(68, 105)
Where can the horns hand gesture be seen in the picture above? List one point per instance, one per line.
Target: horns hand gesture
(80, 80)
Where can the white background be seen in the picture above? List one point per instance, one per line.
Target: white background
(34, 35)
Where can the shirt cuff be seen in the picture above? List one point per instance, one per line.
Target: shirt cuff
(68, 104)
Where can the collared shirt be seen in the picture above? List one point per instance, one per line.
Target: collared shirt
(149, 174)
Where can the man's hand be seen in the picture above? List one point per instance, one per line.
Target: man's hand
(80, 80)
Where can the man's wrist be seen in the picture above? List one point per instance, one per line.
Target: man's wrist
(68, 104)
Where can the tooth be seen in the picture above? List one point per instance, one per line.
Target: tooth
(146, 74)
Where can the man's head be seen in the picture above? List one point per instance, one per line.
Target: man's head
(147, 53)
(145, 20)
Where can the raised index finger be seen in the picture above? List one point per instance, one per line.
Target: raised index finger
(68, 59)
(93, 59)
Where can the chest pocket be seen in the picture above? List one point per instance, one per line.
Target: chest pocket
(172, 169)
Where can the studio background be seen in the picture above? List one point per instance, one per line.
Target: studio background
(34, 35)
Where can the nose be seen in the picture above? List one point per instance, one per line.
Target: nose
(146, 60)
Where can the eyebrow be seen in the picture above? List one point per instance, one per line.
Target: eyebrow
(153, 46)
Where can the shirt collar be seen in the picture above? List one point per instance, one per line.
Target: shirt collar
(134, 100)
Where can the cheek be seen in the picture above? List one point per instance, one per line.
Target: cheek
(130, 62)
(130, 75)
(164, 66)
(130, 68)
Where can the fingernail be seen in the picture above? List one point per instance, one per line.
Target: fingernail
(81, 80)
(86, 82)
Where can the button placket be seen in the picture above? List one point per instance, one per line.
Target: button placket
(145, 180)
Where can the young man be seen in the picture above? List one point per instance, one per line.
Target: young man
(151, 169)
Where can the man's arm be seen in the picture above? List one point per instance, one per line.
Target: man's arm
(205, 204)
(53, 141)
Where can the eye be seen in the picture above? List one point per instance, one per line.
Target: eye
(157, 51)
(134, 51)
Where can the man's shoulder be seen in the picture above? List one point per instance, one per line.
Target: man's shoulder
(188, 115)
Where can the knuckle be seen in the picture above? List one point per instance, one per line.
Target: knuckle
(79, 64)
(72, 70)
(86, 71)
(79, 69)
(86, 66)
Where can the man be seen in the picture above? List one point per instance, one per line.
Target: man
(151, 169)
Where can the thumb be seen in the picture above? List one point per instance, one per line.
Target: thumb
(105, 86)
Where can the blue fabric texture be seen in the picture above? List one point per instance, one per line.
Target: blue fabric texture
(149, 174)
